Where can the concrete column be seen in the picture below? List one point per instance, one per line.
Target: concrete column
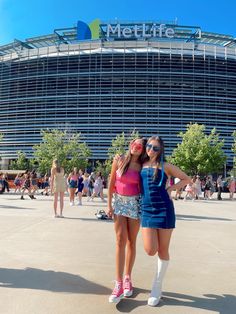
(5, 163)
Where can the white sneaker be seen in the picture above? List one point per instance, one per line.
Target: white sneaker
(153, 301)
(72, 204)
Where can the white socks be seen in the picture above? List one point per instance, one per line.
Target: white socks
(155, 294)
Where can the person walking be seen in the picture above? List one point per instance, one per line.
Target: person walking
(80, 186)
(219, 183)
(46, 185)
(98, 187)
(18, 182)
(58, 187)
(73, 184)
(26, 185)
(157, 209)
(124, 205)
(197, 187)
(231, 186)
(91, 180)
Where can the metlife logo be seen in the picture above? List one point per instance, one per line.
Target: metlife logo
(86, 32)
(133, 31)
(119, 31)
(140, 31)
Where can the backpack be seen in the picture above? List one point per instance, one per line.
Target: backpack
(101, 214)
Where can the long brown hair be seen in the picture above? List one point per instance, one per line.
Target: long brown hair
(125, 161)
(160, 156)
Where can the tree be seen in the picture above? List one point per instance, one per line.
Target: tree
(66, 147)
(199, 153)
(21, 163)
(103, 167)
(119, 146)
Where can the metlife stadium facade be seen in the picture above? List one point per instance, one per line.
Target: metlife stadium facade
(106, 78)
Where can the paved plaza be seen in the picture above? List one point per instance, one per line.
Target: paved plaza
(66, 266)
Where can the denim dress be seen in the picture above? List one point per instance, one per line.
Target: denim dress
(157, 209)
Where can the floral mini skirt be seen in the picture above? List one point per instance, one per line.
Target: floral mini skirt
(128, 206)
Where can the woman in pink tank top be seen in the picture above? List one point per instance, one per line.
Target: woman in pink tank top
(123, 205)
(73, 184)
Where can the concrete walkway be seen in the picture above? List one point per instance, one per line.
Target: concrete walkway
(66, 266)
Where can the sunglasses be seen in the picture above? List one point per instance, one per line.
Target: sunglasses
(136, 146)
(154, 148)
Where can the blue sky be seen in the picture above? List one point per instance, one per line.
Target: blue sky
(23, 19)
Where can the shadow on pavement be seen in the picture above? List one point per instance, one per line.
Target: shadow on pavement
(89, 219)
(198, 218)
(222, 304)
(128, 304)
(16, 207)
(96, 205)
(33, 278)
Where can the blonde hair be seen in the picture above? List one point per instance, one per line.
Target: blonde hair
(56, 165)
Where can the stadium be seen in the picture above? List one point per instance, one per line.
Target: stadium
(105, 78)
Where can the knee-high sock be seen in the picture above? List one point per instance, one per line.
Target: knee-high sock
(156, 291)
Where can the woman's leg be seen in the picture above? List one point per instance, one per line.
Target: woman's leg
(150, 240)
(55, 203)
(22, 193)
(69, 194)
(121, 239)
(95, 194)
(164, 236)
(157, 241)
(133, 229)
(72, 195)
(80, 198)
(61, 202)
(101, 194)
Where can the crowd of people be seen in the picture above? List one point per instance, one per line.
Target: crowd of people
(141, 189)
(204, 188)
(77, 184)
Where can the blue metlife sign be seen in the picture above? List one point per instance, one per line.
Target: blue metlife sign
(133, 31)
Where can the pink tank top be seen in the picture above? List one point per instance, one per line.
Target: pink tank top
(74, 177)
(129, 183)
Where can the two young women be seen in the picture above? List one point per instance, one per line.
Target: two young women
(142, 171)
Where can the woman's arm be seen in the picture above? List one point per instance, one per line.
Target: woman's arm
(174, 171)
(68, 178)
(52, 179)
(111, 186)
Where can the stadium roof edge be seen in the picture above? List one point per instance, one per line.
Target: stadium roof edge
(69, 36)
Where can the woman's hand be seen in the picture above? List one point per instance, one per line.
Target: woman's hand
(110, 212)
